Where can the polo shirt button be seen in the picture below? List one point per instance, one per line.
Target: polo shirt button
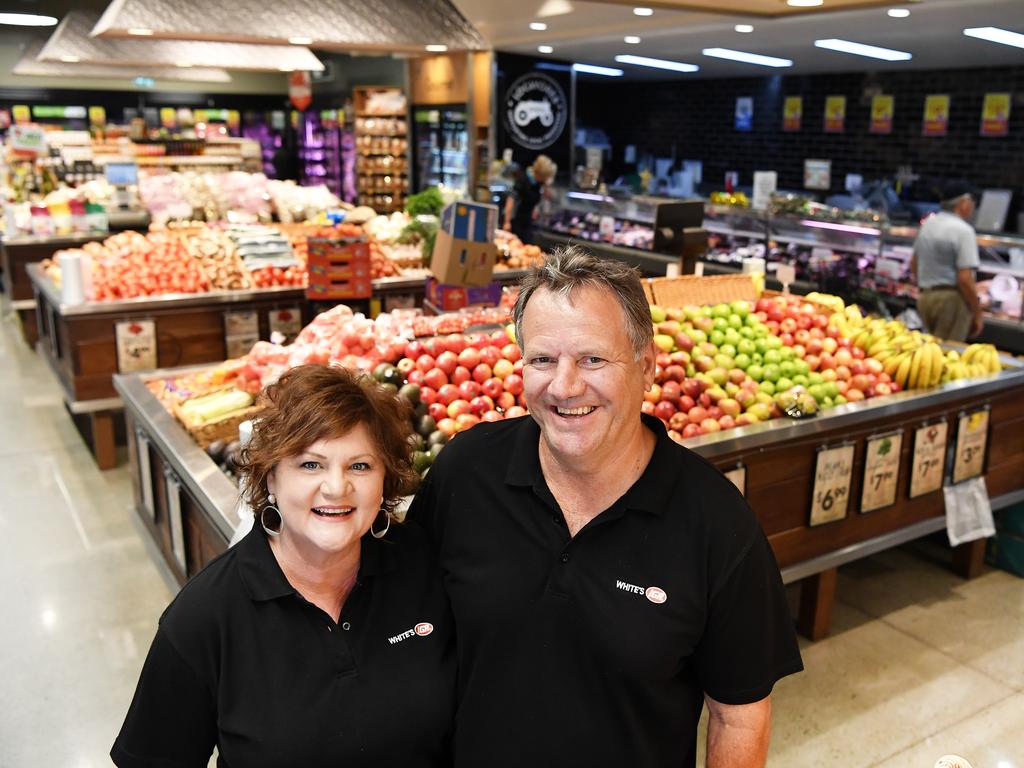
(346, 626)
(565, 557)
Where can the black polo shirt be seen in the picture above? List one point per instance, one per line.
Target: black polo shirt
(597, 650)
(241, 660)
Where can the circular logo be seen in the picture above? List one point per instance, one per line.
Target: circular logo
(535, 111)
(656, 595)
(424, 628)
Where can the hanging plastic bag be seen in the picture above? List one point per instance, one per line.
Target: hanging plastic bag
(968, 512)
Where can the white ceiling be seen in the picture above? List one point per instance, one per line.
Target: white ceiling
(592, 33)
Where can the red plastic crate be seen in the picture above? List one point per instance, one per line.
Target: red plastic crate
(339, 269)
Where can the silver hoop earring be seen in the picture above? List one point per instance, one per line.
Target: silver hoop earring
(381, 534)
(272, 505)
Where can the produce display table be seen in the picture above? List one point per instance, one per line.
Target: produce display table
(189, 505)
(81, 342)
(649, 263)
(18, 253)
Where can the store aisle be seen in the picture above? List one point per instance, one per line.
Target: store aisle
(81, 594)
(920, 663)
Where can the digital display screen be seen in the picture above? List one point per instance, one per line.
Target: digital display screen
(122, 174)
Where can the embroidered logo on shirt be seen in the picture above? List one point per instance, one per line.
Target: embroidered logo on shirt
(422, 629)
(656, 595)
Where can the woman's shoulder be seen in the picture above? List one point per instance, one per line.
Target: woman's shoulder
(204, 599)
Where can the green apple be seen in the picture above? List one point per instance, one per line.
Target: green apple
(755, 371)
(746, 347)
(783, 384)
(721, 310)
(801, 380)
(774, 342)
(814, 377)
(772, 356)
(735, 321)
(717, 338)
(657, 314)
(788, 353)
(772, 372)
(741, 308)
(720, 324)
(787, 368)
(663, 342)
(742, 361)
(727, 349)
(724, 361)
(839, 400)
(767, 387)
(817, 391)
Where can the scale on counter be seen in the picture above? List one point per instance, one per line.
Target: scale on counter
(124, 178)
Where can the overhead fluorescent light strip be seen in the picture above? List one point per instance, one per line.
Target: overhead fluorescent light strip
(996, 35)
(27, 20)
(861, 49)
(644, 61)
(747, 58)
(593, 69)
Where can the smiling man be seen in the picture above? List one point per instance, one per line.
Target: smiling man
(606, 582)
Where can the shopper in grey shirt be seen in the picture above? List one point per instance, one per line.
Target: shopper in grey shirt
(945, 257)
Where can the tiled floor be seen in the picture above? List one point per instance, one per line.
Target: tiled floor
(920, 663)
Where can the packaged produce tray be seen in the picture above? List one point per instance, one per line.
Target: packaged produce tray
(205, 432)
(690, 289)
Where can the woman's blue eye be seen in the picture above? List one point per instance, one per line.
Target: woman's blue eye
(310, 464)
(361, 466)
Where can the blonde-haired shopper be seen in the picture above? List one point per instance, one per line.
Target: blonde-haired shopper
(528, 191)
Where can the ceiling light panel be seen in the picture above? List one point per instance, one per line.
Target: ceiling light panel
(744, 29)
(593, 69)
(538, 26)
(996, 35)
(644, 61)
(643, 11)
(30, 66)
(347, 25)
(72, 38)
(545, 49)
(862, 49)
(631, 40)
(747, 58)
(27, 20)
(898, 13)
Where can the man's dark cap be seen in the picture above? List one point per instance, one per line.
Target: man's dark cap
(958, 188)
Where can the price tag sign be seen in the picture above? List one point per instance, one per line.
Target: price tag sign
(136, 345)
(237, 346)
(881, 471)
(785, 274)
(241, 323)
(738, 477)
(832, 475)
(929, 462)
(287, 322)
(971, 445)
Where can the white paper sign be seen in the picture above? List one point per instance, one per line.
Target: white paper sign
(817, 174)
(830, 499)
(785, 274)
(287, 322)
(136, 345)
(765, 184)
(27, 138)
(971, 444)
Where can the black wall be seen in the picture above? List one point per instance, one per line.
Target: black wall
(694, 120)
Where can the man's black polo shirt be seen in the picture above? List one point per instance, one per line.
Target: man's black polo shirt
(597, 650)
(241, 660)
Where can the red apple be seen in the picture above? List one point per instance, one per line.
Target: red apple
(882, 388)
(406, 366)
(513, 384)
(481, 372)
(686, 403)
(714, 412)
(729, 407)
(647, 407)
(499, 338)
(469, 358)
(448, 361)
(415, 376)
(425, 362)
(664, 410)
(511, 352)
(479, 340)
(515, 411)
(692, 430)
(437, 411)
(455, 342)
(653, 395)
(710, 425)
(481, 404)
(435, 378)
(854, 395)
(675, 373)
(671, 391)
(692, 387)
(490, 355)
(448, 426)
(448, 394)
(414, 349)
(663, 360)
(517, 367)
(460, 375)
(492, 416)
(469, 389)
(683, 342)
(466, 420)
(727, 422)
(502, 368)
(697, 414)
(492, 387)
(678, 421)
(458, 407)
(504, 401)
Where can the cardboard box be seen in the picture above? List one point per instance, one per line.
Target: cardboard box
(449, 298)
(464, 252)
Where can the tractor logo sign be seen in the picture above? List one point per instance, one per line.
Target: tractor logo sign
(535, 111)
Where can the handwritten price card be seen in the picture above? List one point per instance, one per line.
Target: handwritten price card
(929, 459)
(287, 322)
(833, 472)
(738, 477)
(881, 471)
(136, 345)
(971, 443)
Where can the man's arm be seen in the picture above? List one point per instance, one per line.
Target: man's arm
(965, 284)
(738, 733)
(509, 205)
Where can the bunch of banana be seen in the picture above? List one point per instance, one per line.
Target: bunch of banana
(917, 368)
(834, 303)
(977, 360)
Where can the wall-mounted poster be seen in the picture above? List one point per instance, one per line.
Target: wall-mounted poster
(882, 108)
(744, 113)
(835, 114)
(792, 113)
(995, 114)
(936, 115)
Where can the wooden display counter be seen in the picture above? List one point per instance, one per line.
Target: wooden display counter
(785, 468)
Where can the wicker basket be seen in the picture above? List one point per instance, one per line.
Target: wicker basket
(689, 289)
(224, 428)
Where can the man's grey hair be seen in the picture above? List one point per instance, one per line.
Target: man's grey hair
(570, 268)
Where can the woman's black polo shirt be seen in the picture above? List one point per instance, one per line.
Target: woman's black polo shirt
(598, 650)
(241, 660)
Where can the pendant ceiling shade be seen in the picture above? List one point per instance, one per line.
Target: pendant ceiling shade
(346, 25)
(29, 65)
(72, 40)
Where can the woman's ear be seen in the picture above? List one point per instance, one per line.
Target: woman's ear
(271, 481)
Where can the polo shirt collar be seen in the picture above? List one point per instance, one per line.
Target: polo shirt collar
(264, 579)
(650, 493)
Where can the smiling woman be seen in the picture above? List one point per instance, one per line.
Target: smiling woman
(319, 639)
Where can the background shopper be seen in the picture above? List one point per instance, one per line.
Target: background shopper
(527, 192)
(943, 264)
(605, 581)
(323, 637)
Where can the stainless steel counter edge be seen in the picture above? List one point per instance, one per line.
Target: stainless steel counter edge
(211, 488)
(646, 261)
(152, 303)
(853, 415)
